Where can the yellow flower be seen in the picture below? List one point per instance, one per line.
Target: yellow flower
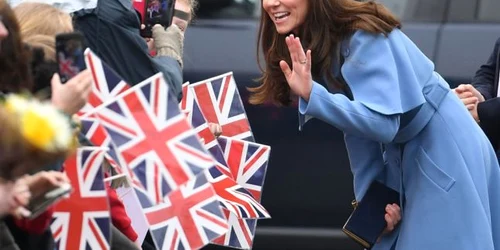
(41, 124)
(16, 104)
(37, 130)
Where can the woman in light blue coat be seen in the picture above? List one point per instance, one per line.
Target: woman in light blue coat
(402, 124)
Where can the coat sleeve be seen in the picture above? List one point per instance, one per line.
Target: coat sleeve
(375, 70)
(349, 116)
(172, 72)
(484, 79)
(367, 164)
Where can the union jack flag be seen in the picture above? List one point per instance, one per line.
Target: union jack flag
(189, 218)
(140, 197)
(235, 198)
(220, 161)
(241, 232)
(107, 83)
(82, 221)
(231, 195)
(153, 137)
(247, 162)
(248, 165)
(220, 103)
(98, 136)
(195, 117)
(93, 131)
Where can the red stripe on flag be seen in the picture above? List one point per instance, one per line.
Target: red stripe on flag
(94, 156)
(225, 89)
(92, 69)
(254, 159)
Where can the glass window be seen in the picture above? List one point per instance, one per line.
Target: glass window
(228, 9)
(489, 11)
(396, 6)
(417, 10)
(462, 10)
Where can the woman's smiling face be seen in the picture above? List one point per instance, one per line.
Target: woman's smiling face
(287, 15)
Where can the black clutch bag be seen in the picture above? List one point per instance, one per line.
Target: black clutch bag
(367, 221)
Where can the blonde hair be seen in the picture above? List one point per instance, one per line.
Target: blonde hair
(44, 42)
(42, 19)
(194, 6)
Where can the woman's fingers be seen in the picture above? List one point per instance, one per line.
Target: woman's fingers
(297, 53)
(291, 49)
(300, 51)
(397, 209)
(394, 214)
(286, 70)
(309, 60)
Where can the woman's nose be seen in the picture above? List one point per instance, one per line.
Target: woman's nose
(270, 3)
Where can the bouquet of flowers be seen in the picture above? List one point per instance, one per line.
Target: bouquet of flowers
(33, 134)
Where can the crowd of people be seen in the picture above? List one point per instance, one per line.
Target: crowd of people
(28, 63)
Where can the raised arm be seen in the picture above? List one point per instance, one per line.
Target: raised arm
(351, 117)
(384, 85)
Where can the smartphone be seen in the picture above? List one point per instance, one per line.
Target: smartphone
(157, 12)
(70, 58)
(39, 204)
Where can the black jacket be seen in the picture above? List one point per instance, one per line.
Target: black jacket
(486, 82)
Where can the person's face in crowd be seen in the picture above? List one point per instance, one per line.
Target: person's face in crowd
(154, 4)
(183, 7)
(287, 15)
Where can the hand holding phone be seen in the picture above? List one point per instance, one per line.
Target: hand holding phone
(47, 188)
(69, 53)
(40, 203)
(157, 12)
(73, 95)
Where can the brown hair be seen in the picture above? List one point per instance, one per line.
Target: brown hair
(42, 19)
(40, 23)
(44, 42)
(327, 24)
(15, 74)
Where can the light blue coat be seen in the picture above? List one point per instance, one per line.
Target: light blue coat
(406, 128)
